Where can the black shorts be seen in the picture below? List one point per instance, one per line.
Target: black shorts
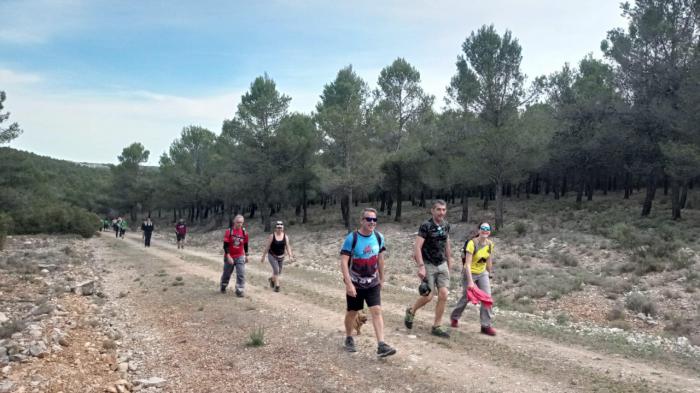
(370, 295)
(180, 237)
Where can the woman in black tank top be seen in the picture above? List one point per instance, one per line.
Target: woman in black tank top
(276, 247)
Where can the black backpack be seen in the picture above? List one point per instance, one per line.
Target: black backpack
(354, 242)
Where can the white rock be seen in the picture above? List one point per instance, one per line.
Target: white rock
(3, 318)
(150, 382)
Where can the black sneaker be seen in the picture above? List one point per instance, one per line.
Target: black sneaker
(384, 350)
(223, 289)
(408, 318)
(440, 332)
(277, 288)
(349, 345)
(239, 293)
(272, 283)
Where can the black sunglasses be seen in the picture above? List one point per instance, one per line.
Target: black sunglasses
(371, 219)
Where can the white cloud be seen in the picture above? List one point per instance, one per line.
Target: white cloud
(95, 127)
(10, 78)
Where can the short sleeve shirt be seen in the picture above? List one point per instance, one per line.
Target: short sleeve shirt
(435, 245)
(364, 266)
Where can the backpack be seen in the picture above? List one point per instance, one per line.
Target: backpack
(230, 233)
(464, 249)
(354, 242)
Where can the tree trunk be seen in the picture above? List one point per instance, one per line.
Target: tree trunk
(665, 184)
(389, 204)
(564, 188)
(465, 207)
(253, 207)
(397, 217)
(345, 203)
(304, 205)
(499, 205)
(579, 193)
(382, 207)
(422, 198)
(684, 195)
(675, 199)
(651, 192)
(265, 211)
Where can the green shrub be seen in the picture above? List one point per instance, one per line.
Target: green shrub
(616, 313)
(55, 217)
(5, 228)
(520, 228)
(256, 338)
(680, 326)
(638, 302)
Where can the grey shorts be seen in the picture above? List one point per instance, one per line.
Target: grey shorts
(276, 263)
(438, 276)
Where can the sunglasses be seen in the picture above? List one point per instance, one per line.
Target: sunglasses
(485, 228)
(371, 219)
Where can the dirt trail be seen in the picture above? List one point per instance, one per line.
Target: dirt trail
(546, 365)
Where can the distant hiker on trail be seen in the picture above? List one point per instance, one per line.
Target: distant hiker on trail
(276, 247)
(433, 256)
(115, 226)
(235, 255)
(180, 233)
(122, 228)
(147, 228)
(362, 265)
(476, 271)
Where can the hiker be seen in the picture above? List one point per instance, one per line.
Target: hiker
(275, 249)
(115, 225)
(147, 228)
(180, 233)
(122, 228)
(235, 254)
(433, 256)
(362, 265)
(476, 271)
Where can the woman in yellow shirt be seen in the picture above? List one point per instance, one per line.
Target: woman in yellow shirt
(478, 266)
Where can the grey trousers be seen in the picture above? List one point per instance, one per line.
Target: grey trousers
(482, 282)
(239, 266)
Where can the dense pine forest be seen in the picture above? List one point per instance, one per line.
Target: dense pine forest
(623, 124)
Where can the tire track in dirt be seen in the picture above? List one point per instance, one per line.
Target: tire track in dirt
(550, 361)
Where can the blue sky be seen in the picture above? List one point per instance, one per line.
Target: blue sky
(85, 78)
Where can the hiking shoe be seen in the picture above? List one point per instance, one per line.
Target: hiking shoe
(272, 283)
(239, 293)
(277, 288)
(454, 323)
(223, 289)
(440, 332)
(408, 319)
(349, 345)
(488, 330)
(384, 350)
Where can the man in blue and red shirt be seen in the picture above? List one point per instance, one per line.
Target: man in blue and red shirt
(362, 265)
(235, 255)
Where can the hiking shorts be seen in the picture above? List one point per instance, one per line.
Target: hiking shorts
(371, 296)
(438, 276)
(180, 237)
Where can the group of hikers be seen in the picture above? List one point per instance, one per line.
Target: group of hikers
(119, 225)
(362, 268)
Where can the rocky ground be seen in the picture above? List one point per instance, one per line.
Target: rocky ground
(108, 315)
